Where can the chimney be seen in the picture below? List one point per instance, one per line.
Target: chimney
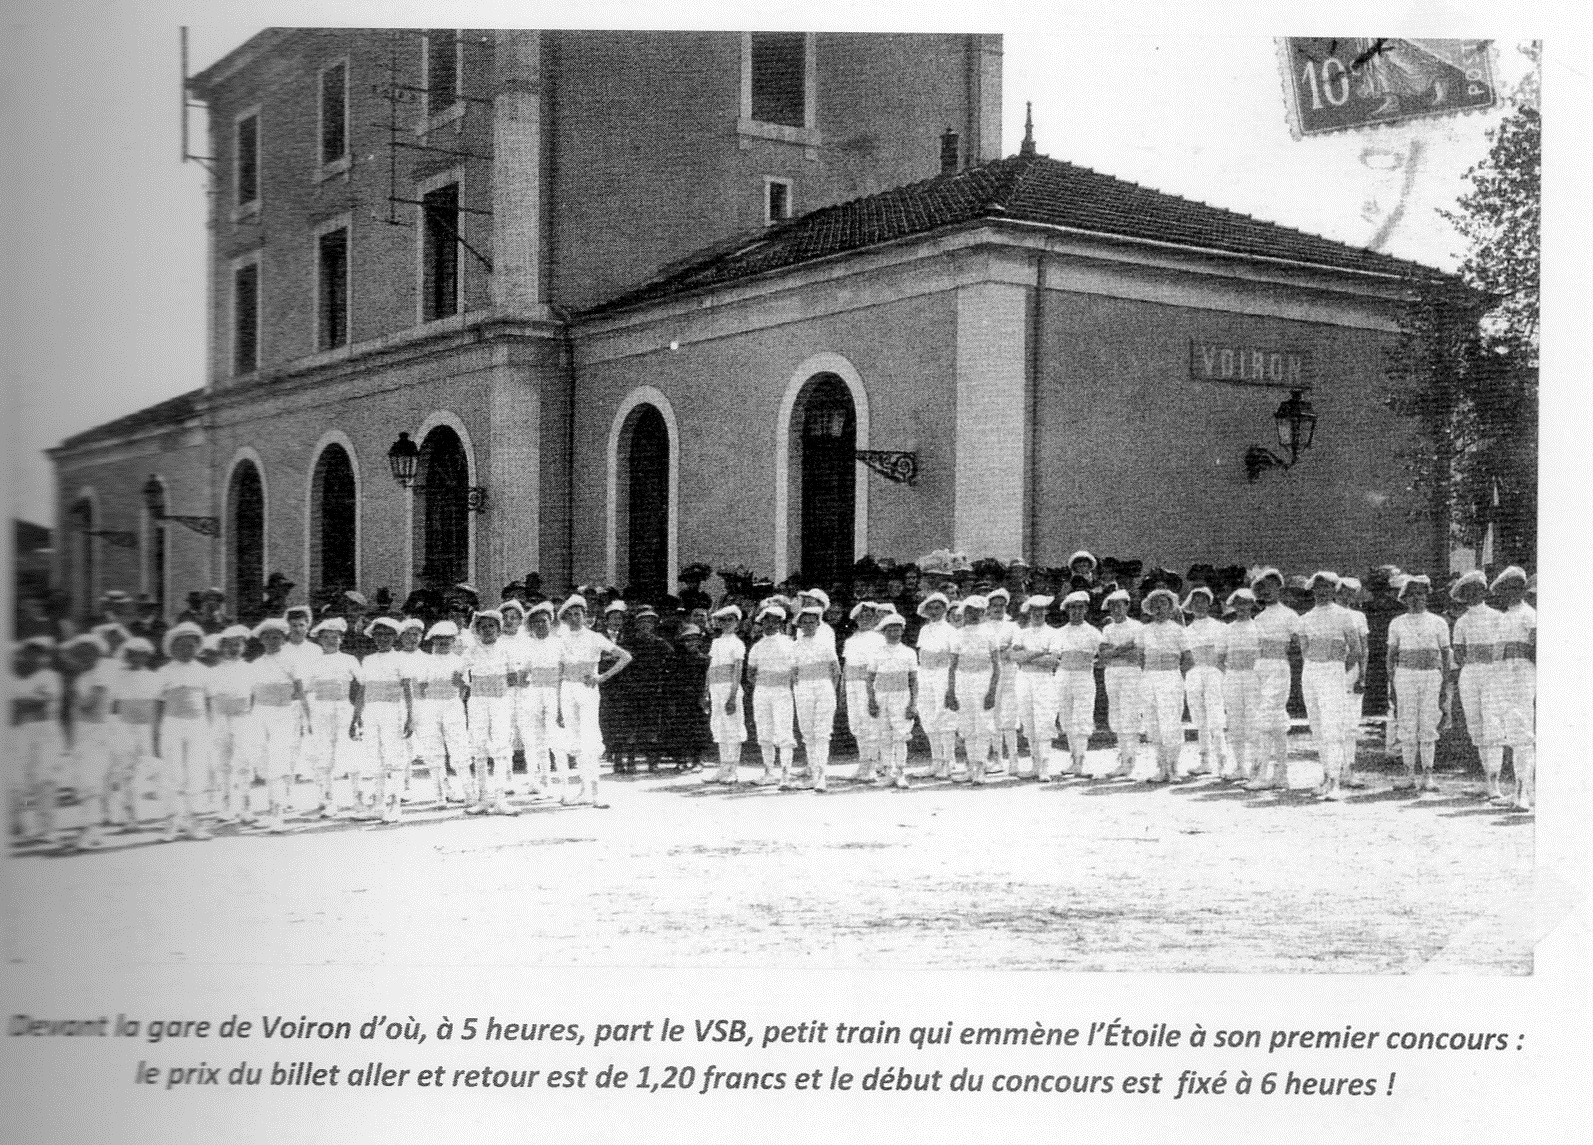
(948, 151)
(1027, 147)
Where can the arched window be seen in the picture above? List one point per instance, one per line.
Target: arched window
(80, 521)
(442, 517)
(334, 524)
(823, 450)
(246, 541)
(642, 497)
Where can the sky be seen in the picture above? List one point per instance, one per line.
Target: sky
(105, 263)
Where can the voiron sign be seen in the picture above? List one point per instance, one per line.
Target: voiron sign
(1251, 365)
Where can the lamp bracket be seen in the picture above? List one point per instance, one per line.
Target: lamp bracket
(900, 466)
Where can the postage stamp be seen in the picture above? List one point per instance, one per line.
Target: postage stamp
(1340, 83)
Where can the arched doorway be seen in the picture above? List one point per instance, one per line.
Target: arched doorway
(644, 446)
(334, 523)
(246, 542)
(824, 449)
(442, 486)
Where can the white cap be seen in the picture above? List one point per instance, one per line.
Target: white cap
(1514, 572)
(1422, 579)
(770, 610)
(819, 595)
(235, 632)
(975, 601)
(383, 622)
(1078, 596)
(412, 622)
(810, 610)
(139, 644)
(890, 620)
(542, 606)
(1083, 555)
(1001, 592)
(270, 624)
(442, 628)
(330, 624)
(513, 602)
(1035, 601)
(730, 610)
(178, 631)
(487, 614)
(574, 600)
(1239, 594)
(1267, 571)
(616, 606)
(1118, 594)
(858, 608)
(1157, 593)
(934, 596)
(1332, 578)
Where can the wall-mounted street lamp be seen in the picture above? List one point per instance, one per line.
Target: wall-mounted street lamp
(403, 458)
(78, 520)
(155, 501)
(1296, 422)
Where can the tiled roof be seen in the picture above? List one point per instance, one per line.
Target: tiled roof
(172, 411)
(1022, 188)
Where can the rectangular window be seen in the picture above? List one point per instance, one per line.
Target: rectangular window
(442, 70)
(779, 77)
(246, 165)
(334, 113)
(246, 319)
(332, 287)
(777, 200)
(440, 253)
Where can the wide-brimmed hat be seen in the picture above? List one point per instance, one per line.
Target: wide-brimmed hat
(1034, 601)
(1001, 592)
(857, 609)
(512, 604)
(1198, 590)
(769, 610)
(177, 631)
(412, 622)
(486, 614)
(1158, 594)
(819, 595)
(1352, 585)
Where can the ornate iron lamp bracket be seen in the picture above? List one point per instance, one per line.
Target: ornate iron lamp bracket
(900, 466)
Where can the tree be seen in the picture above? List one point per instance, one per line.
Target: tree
(1467, 365)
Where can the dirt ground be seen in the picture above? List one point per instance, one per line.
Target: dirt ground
(1076, 875)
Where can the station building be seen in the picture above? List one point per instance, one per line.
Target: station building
(773, 300)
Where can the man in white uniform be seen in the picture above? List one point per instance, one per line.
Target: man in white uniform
(1076, 645)
(727, 721)
(411, 631)
(386, 718)
(1418, 664)
(1277, 628)
(1004, 721)
(1330, 645)
(855, 655)
(234, 727)
(1033, 655)
(893, 694)
(771, 668)
(538, 715)
(818, 674)
(1163, 682)
(91, 733)
(1516, 679)
(133, 692)
(1241, 690)
(1203, 683)
(1476, 649)
(1350, 597)
(1122, 654)
(332, 685)
(580, 693)
(489, 712)
(182, 730)
(37, 693)
(975, 672)
(440, 710)
(281, 708)
(935, 641)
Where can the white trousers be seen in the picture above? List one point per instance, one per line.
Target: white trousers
(383, 723)
(1322, 683)
(328, 744)
(973, 722)
(1037, 714)
(1272, 681)
(1416, 691)
(1075, 702)
(235, 745)
(1516, 684)
(184, 763)
(864, 727)
(1479, 700)
(1241, 702)
(727, 729)
(94, 761)
(773, 712)
(815, 716)
(1006, 717)
(444, 736)
(1125, 706)
(1203, 688)
(1164, 708)
(536, 718)
(583, 737)
(38, 746)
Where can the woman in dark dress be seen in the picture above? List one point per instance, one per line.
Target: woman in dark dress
(651, 659)
(686, 724)
(614, 712)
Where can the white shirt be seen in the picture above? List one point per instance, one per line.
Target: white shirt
(1163, 642)
(1076, 646)
(1518, 633)
(275, 678)
(384, 675)
(327, 677)
(43, 688)
(581, 652)
(813, 658)
(936, 640)
(774, 657)
(96, 677)
(1327, 634)
(975, 643)
(1477, 633)
(1027, 640)
(1418, 641)
(486, 669)
(232, 687)
(1120, 634)
(1205, 638)
(725, 657)
(540, 660)
(892, 666)
(1275, 625)
(183, 689)
(1241, 646)
(858, 651)
(435, 677)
